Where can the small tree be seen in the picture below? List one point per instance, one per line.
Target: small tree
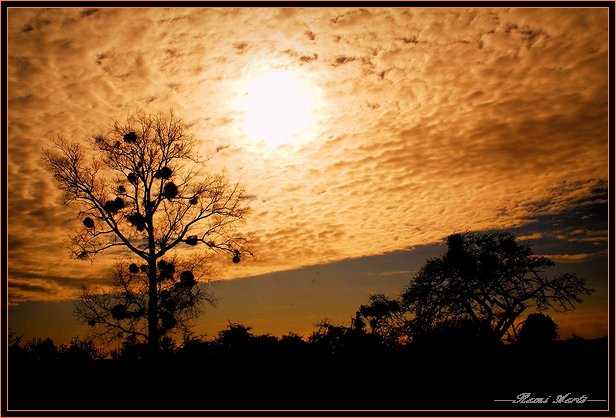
(139, 191)
(537, 330)
(490, 280)
(385, 318)
(236, 337)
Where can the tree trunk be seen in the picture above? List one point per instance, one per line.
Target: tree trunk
(509, 323)
(153, 336)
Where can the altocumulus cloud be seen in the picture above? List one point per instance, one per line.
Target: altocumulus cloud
(430, 121)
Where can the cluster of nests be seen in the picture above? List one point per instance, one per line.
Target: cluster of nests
(134, 268)
(135, 219)
(166, 271)
(114, 206)
(170, 190)
(129, 138)
(121, 311)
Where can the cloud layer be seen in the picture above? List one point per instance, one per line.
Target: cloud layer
(429, 121)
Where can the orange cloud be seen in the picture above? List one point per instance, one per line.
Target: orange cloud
(432, 120)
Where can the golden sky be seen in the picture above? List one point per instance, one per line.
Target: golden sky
(402, 125)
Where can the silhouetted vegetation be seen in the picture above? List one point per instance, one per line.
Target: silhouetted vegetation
(140, 190)
(480, 287)
(122, 314)
(537, 330)
(334, 367)
(394, 353)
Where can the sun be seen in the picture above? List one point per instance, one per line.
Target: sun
(277, 106)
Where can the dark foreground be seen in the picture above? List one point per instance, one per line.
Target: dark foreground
(408, 379)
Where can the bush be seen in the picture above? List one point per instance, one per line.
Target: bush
(538, 330)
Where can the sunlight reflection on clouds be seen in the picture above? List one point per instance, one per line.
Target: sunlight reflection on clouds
(430, 120)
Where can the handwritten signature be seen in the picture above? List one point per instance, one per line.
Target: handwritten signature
(561, 399)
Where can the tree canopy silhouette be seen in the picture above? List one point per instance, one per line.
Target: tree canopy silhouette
(537, 330)
(138, 188)
(385, 318)
(489, 279)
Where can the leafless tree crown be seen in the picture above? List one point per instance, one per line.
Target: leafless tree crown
(137, 188)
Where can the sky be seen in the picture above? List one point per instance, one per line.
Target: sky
(363, 137)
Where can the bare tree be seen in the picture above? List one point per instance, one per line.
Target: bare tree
(137, 188)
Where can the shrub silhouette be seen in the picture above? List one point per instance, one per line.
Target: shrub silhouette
(80, 350)
(41, 349)
(236, 337)
(537, 330)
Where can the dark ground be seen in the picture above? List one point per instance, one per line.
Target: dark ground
(410, 378)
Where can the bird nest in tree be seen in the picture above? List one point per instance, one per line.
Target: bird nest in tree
(137, 220)
(192, 240)
(132, 177)
(170, 191)
(187, 278)
(88, 222)
(119, 203)
(114, 206)
(120, 312)
(130, 137)
(165, 270)
(163, 173)
(133, 268)
(194, 200)
(236, 257)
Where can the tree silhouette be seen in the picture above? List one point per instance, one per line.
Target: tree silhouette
(537, 330)
(122, 312)
(138, 188)
(385, 317)
(488, 279)
(235, 337)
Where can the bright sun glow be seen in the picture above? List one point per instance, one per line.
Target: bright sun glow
(277, 106)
